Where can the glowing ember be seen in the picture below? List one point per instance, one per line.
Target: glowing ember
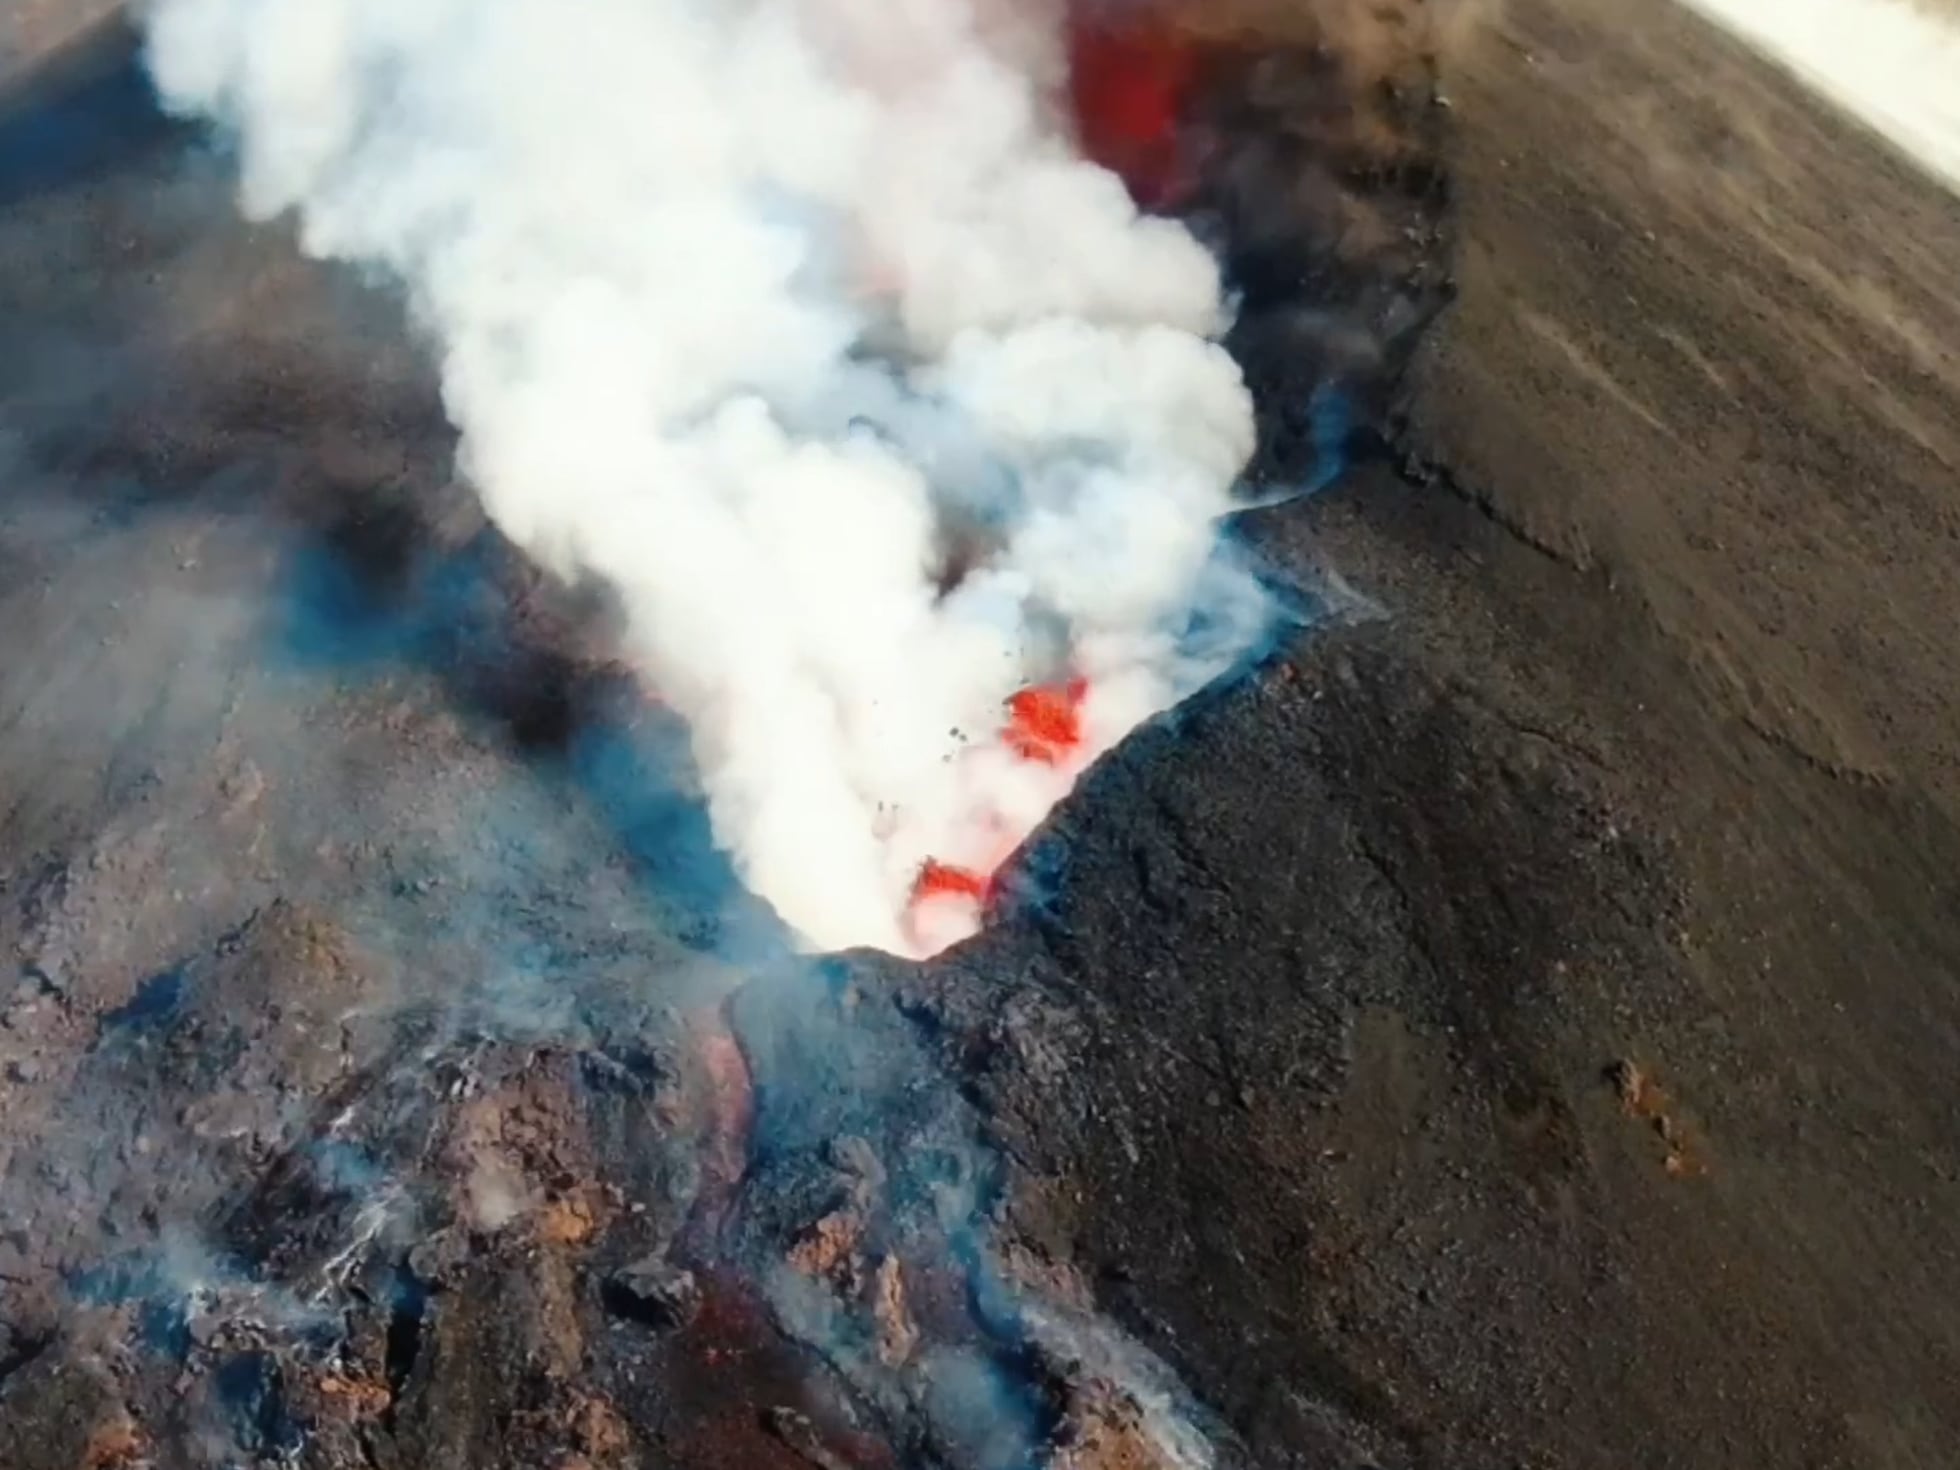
(1128, 84)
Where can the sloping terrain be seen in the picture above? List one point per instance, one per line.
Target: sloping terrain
(1514, 1026)
(1526, 1019)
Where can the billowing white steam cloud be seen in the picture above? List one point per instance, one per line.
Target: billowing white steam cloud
(755, 308)
(1895, 64)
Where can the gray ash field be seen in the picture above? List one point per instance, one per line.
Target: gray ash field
(1514, 1025)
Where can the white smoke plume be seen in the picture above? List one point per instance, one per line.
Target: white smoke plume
(1893, 64)
(801, 324)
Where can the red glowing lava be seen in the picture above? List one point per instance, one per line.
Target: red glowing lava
(1044, 723)
(942, 880)
(1043, 726)
(1129, 79)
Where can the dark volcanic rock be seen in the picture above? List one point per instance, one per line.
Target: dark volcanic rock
(385, 1039)
(1306, 1062)
(654, 1291)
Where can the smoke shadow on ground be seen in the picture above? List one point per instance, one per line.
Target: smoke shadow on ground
(371, 590)
(87, 109)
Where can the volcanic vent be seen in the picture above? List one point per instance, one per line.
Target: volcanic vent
(806, 329)
(897, 435)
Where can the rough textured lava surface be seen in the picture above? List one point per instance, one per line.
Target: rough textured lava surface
(1511, 1025)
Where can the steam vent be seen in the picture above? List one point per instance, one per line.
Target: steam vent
(979, 735)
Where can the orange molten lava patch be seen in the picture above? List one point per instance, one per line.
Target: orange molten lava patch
(1045, 723)
(1128, 82)
(942, 880)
